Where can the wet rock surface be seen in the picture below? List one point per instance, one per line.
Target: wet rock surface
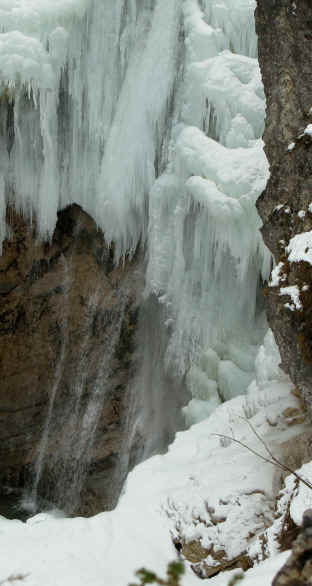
(64, 307)
(285, 41)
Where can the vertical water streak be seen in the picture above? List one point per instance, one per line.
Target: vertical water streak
(3, 227)
(30, 500)
(75, 451)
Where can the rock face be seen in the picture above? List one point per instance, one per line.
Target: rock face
(67, 325)
(298, 569)
(285, 42)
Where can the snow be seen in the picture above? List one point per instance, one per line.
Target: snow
(203, 488)
(232, 86)
(302, 496)
(162, 494)
(300, 248)
(294, 499)
(294, 293)
(257, 576)
(277, 275)
(308, 130)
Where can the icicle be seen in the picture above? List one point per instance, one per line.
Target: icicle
(49, 189)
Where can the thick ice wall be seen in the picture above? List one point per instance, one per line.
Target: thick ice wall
(101, 109)
(100, 76)
(128, 166)
(33, 50)
(235, 18)
(206, 255)
(38, 15)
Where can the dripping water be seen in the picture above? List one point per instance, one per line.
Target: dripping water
(30, 501)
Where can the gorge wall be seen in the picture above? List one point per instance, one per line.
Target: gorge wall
(67, 327)
(284, 31)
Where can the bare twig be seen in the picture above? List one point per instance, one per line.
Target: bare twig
(274, 461)
(13, 578)
(266, 447)
(228, 437)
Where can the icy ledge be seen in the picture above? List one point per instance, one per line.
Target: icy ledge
(176, 496)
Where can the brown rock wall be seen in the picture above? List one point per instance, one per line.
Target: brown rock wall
(64, 309)
(284, 31)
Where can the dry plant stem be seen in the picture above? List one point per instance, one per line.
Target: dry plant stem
(274, 460)
(258, 436)
(13, 578)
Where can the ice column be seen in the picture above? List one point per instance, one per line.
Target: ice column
(206, 256)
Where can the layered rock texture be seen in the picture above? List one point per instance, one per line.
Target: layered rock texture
(284, 29)
(67, 326)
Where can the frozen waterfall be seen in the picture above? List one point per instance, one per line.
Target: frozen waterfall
(149, 114)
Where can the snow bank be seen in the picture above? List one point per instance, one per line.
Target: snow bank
(205, 489)
(165, 496)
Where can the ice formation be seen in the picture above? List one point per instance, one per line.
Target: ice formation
(206, 256)
(149, 115)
